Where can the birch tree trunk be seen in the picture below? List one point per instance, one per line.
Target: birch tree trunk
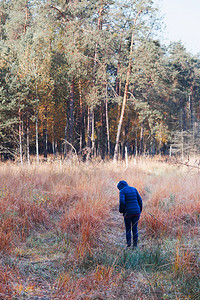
(27, 142)
(71, 112)
(56, 148)
(107, 125)
(136, 146)
(65, 138)
(89, 131)
(36, 136)
(36, 119)
(126, 89)
(45, 132)
(81, 118)
(20, 137)
(182, 145)
(53, 147)
(141, 138)
(93, 141)
(102, 142)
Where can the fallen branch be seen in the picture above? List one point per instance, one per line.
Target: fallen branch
(66, 142)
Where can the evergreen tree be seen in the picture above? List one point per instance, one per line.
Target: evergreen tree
(90, 77)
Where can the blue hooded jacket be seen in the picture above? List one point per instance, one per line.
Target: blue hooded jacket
(130, 202)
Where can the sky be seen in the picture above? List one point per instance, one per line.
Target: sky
(182, 22)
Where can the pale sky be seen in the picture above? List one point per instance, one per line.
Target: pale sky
(182, 20)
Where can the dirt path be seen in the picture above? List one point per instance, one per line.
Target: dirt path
(44, 255)
(42, 259)
(39, 265)
(115, 233)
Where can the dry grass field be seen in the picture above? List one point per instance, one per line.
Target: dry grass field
(61, 236)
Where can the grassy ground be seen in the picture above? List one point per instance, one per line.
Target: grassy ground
(61, 236)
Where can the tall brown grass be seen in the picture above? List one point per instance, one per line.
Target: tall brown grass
(80, 201)
(172, 205)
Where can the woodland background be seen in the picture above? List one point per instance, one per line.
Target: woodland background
(91, 80)
(92, 77)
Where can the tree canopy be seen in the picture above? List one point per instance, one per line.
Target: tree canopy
(91, 77)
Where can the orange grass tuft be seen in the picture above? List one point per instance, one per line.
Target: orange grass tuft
(9, 278)
(185, 261)
(172, 205)
(86, 219)
(95, 285)
(5, 240)
(6, 291)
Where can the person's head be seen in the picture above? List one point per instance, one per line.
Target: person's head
(122, 184)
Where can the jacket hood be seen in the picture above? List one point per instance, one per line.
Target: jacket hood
(122, 184)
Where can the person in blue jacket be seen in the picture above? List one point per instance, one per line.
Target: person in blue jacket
(130, 204)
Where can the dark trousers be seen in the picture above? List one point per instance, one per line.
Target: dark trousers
(131, 225)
